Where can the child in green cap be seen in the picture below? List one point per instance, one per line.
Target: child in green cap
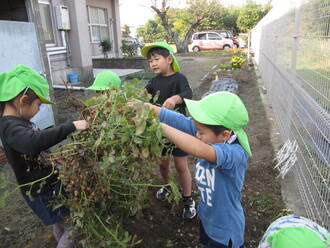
(22, 91)
(294, 231)
(215, 136)
(105, 80)
(172, 87)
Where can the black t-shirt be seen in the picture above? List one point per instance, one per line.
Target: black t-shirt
(176, 84)
(23, 143)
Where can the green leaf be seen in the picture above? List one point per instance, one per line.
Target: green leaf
(141, 127)
(125, 137)
(159, 134)
(99, 140)
(137, 140)
(145, 152)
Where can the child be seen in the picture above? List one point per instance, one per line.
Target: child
(22, 91)
(295, 232)
(222, 149)
(172, 87)
(105, 80)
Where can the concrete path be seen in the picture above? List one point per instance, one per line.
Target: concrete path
(120, 72)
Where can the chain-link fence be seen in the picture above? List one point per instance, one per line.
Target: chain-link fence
(291, 47)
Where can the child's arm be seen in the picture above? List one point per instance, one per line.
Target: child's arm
(33, 142)
(172, 101)
(184, 91)
(190, 144)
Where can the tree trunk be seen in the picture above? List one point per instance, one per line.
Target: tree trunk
(181, 46)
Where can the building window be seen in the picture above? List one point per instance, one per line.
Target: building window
(97, 22)
(13, 11)
(46, 22)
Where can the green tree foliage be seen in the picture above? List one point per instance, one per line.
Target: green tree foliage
(197, 12)
(178, 25)
(125, 31)
(153, 31)
(250, 15)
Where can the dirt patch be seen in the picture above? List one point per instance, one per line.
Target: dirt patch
(162, 224)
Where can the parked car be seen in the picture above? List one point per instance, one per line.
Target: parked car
(135, 42)
(229, 35)
(210, 41)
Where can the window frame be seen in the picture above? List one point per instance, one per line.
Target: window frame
(52, 42)
(98, 24)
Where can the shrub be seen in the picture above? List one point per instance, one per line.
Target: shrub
(128, 49)
(106, 47)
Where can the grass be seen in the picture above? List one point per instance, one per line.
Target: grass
(229, 52)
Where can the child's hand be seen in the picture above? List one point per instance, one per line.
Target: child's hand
(81, 125)
(2, 155)
(169, 103)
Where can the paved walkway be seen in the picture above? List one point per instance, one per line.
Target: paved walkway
(122, 73)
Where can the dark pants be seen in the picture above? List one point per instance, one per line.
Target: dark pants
(210, 243)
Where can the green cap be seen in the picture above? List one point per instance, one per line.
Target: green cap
(14, 82)
(105, 80)
(223, 109)
(175, 63)
(295, 237)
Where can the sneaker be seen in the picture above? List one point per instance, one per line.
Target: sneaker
(164, 193)
(189, 210)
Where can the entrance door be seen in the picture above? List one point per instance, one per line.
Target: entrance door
(19, 45)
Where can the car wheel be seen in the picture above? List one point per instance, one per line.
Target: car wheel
(235, 46)
(226, 47)
(196, 49)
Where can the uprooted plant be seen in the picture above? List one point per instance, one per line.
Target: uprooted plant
(108, 168)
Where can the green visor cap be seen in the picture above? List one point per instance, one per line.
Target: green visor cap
(295, 237)
(14, 82)
(175, 63)
(223, 109)
(105, 80)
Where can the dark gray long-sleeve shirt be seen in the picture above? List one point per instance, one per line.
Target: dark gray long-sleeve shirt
(23, 143)
(176, 84)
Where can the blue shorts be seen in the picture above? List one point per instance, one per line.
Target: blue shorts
(210, 243)
(47, 207)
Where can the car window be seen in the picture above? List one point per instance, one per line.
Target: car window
(214, 36)
(224, 34)
(128, 41)
(201, 37)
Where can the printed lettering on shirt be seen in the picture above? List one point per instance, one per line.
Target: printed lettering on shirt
(205, 179)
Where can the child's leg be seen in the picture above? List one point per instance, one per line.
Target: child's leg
(165, 169)
(181, 165)
(68, 239)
